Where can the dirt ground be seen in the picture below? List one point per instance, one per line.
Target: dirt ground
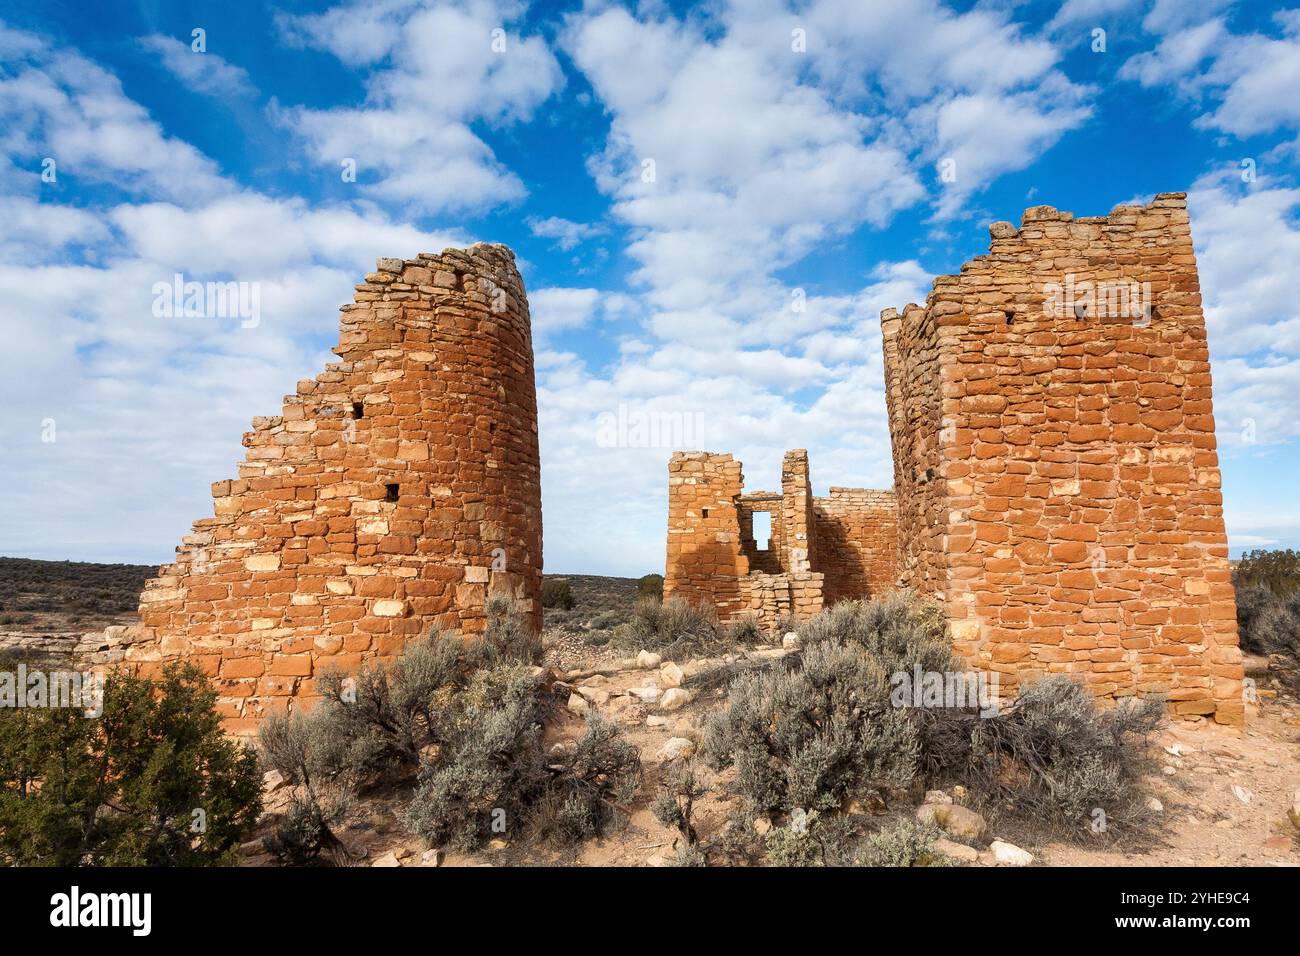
(1224, 793)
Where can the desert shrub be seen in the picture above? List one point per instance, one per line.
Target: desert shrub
(907, 842)
(588, 782)
(152, 781)
(743, 629)
(678, 630)
(650, 586)
(492, 773)
(688, 855)
(1056, 757)
(812, 839)
(825, 731)
(307, 752)
(494, 765)
(376, 722)
(556, 593)
(814, 736)
(509, 636)
(900, 630)
(674, 804)
(1268, 609)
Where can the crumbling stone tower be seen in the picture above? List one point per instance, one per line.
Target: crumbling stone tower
(820, 549)
(397, 490)
(1054, 458)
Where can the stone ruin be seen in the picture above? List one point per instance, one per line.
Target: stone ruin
(1056, 481)
(1056, 484)
(396, 491)
(820, 550)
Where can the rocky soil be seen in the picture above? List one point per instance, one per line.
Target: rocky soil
(1226, 797)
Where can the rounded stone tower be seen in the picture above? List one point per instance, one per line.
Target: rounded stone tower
(398, 490)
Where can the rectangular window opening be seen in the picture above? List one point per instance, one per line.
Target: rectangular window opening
(358, 410)
(762, 530)
(391, 492)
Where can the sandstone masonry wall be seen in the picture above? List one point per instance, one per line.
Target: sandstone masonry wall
(1054, 458)
(856, 542)
(395, 491)
(845, 542)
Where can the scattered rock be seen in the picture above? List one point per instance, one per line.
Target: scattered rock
(497, 844)
(647, 659)
(1008, 854)
(578, 704)
(957, 851)
(272, 781)
(252, 848)
(937, 796)
(1155, 805)
(791, 642)
(675, 698)
(677, 748)
(961, 822)
(388, 859)
(655, 720)
(670, 675)
(431, 858)
(656, 861)
(595, 695)
(648, 694)
(762, 825)
(1241, 793)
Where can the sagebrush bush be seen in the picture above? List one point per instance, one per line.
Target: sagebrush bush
(907, 842)
(492, 776)
(822, 732)
(1057, 757)
(556, 593)
(492, 766)
(814, 736)
(901, 630)
(151, 781)
(508, 637)
(674, 804)
(306, 752)
(678, 630)
(812, 839)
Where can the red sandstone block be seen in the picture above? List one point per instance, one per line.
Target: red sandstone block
(291, 665)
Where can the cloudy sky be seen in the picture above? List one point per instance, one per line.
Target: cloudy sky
(710, 204)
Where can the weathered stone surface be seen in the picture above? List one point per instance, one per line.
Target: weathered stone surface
(958, 821)
(1055, 469)
(1008, 854)
(396, 491)
(820, 550)
(674, 698)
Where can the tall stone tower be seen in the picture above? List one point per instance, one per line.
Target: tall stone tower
(397, 490)
(1054, 458)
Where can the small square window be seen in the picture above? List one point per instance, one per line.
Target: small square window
(358, 410)
(391, 492)
(705, 512)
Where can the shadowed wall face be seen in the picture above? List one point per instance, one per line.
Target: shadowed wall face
(395, 491)
(820, 549)
(1054, 459)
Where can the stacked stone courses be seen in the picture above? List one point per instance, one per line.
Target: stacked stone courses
(1055, 463)
(396, 491)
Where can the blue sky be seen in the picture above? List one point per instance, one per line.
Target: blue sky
(729, 302)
